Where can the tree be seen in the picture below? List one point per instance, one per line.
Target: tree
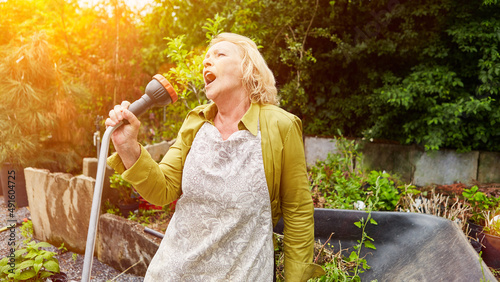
(449, 96)
(39, 109)
(89, 69)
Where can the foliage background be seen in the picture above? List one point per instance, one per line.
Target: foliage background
(422, 72)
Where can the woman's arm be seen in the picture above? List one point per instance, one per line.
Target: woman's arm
(298, 210)
(160, 183)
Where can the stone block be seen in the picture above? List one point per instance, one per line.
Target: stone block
(90, 170)
(157, 151)
(90, 167)
(121, 243)
(395, 159)
(60, 207)
(489, 167)
(446, 167)
(317, 148)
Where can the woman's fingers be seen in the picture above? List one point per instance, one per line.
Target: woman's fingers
(125, 104)
(117, 114)
(132, 119)
(118, 111)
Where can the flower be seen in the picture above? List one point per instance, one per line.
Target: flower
(359, 205)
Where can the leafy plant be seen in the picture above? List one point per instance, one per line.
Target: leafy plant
(339, 268)
(492, 222)
(62, 249)
(479, 203)
(31, 264)
(337, 183)
(335, 178)
(365, 241)
(389, 194)
(27, 231)
(127, 194)
(110, 207)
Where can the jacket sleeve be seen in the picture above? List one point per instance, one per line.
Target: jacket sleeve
(298, 210)
(158, 183)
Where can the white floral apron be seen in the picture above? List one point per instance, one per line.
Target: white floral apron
(222, 227)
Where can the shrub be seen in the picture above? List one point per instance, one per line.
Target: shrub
(337, 183)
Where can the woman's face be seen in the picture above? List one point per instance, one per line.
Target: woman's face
(222, 72)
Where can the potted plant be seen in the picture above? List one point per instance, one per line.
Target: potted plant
(491, 238)
(484, 224)
(129, 198)
(479, 202)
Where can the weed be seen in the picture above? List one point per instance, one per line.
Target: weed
(62, 249)
(27, 231)
(436, 204)
(337, 183)
(31, 263)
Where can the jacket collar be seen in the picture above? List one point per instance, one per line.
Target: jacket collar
(249, 121)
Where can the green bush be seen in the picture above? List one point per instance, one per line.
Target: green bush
(338, 184)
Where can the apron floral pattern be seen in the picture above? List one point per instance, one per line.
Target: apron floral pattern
(222, 228)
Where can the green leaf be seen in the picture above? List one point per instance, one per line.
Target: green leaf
(372, 221)
(370, 245)
(42, 245)
(45, 274)
(358, 224)
(353, 256)
(51, 265)
(47, 255)
(19, 253)
(25, 275)
(37, 267)
(4, 269)
(25, 264)
(32, 254)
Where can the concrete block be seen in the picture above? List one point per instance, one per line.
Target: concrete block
(395, 159)
(489, 167)
(60, 207)
(90, 167)
(446, 167)
(121, 243)
(157, 151)
(90, 170)
(317, 148)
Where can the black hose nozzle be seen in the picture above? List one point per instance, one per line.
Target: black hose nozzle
(159, 92)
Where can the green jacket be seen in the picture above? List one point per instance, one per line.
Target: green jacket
(285, 169)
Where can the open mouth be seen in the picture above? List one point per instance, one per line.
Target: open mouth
(209, 77)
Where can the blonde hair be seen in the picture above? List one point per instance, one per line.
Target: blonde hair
(257, 77)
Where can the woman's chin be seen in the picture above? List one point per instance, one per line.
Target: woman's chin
(211, 95)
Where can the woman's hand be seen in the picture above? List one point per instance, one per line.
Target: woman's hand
(125, 137)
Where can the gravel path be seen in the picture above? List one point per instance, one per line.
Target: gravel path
(72, 268)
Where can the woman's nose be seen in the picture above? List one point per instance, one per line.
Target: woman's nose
(207, 62)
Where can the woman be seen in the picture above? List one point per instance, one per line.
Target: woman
(237, 167)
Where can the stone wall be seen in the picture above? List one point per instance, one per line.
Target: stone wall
(414, 165)
(60, 207)
(60, 203)
(121, 243)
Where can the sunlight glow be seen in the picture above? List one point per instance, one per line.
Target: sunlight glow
(135, 5)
